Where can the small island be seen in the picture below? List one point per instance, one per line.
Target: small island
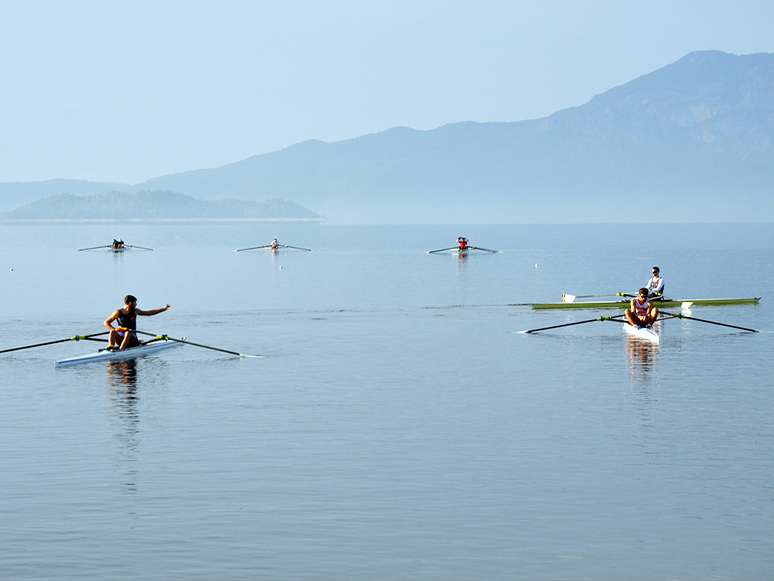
(157, 205)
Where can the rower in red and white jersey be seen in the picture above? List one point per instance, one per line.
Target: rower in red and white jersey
(641, 312)
(463, 242)
(656, 284)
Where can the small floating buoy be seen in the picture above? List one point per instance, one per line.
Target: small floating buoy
(536, 266)
(11, 269)
(280, 268)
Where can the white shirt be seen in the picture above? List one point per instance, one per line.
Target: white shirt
(655, 285)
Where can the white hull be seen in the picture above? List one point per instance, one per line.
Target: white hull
(130, 353)
(641, 333)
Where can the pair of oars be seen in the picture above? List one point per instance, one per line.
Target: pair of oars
(620, 319)
(269, 246)
(163, 337)
(111, 246)
(466, 248)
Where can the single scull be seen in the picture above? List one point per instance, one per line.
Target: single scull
(123, 354)
(625, 303)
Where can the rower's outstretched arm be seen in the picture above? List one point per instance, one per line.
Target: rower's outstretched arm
(152, 312)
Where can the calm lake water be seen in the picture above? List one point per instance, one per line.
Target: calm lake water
(397, 427)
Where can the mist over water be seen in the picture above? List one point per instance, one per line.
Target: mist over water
(398, 426)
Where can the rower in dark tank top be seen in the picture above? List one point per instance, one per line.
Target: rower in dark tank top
(125, 336)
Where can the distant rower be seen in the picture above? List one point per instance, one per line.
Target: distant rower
(274, 244)
(656, 284)
(463, 242)
(126, 334)
(641, 312)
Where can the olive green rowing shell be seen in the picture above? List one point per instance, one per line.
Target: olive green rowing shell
(625, 304)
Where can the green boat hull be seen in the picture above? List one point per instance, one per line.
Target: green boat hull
(660, 304)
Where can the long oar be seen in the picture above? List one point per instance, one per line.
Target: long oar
(141, 247)
(252, 248)
(168, 338)
(296, 247)
(75, 338)
(441, 250)
(95, 247)
(484, 249)
(613, 318)
(681, 316)
(567, 298)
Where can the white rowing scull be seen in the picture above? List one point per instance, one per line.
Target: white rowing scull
(122, 354)
(646, 333)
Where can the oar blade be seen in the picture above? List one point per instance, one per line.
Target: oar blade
(568, 298)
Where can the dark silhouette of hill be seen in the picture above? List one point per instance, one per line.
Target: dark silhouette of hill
(155, 205)
(693, 141)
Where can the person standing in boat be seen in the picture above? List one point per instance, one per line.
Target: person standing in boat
(656, 285)
(463, 242)
(125, 335)
(641, 312)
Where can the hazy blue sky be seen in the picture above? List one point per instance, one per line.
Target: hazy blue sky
(129, 90)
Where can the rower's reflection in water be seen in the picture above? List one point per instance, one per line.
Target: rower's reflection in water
(122, 381)
(462, 266)
(642, 356)
(643, 387)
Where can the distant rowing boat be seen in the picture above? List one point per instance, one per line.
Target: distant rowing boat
(123, 354)
(274, 248)
(117, 246)
(624, 304)
(462, 251)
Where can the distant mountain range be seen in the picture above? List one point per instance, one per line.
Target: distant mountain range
(693, 141)
(156, 205)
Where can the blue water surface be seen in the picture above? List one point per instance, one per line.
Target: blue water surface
(398, 425)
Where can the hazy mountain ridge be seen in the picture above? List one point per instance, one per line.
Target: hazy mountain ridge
(155, 205)
(694, 138)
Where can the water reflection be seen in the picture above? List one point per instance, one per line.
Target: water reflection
(642, 357)
(122, 381)
(642, 364)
